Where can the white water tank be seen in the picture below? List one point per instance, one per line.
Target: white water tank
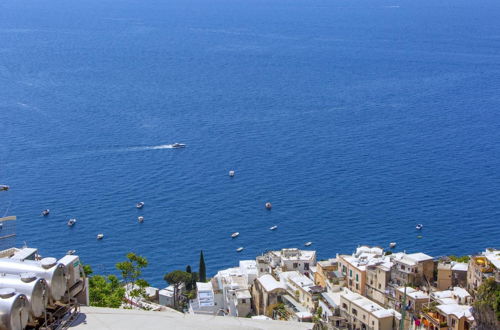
(47, 268)
(28, 284)
(13, 310)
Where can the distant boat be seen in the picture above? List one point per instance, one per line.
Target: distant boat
(139, 205)
(419, 226)
(231, 173)
(71, 222)
(4, 187)
(100, 236)
(269, 206)
(140, 219)
(178, 145)
(70, 252)
(234, 235)
(274, 227)
(239, 249)
(392, 245)
(45, 212)
(308, 244)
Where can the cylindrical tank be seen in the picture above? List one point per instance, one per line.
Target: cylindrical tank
(47, 268)
(31, 286)
(13, 310)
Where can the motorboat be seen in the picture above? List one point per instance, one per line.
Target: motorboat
(45, 212)
(308, 244)
(239, 249)
(419, 226)
(100, 236)
(274, 227)
(269, 206)
(70, 252)
(234, 235)
(392, 245)
(71, 222)
(140, 219)
(4, 187)
(178, 145)
(139, 205)
(231, 173)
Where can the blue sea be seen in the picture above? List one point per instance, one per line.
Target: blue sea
(356, 119)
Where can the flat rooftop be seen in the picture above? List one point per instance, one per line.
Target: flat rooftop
(96, 318)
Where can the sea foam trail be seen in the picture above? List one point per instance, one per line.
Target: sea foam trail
(162, 146)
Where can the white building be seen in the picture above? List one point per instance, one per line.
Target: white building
(205, 300)
(286, 260)
(234, 285)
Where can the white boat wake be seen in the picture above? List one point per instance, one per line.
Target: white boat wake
(158, 147)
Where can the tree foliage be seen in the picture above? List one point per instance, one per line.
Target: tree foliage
(105, 292)
(464, 259)
(486, 309)
(176, 278)
(131, 271)
(202, 272)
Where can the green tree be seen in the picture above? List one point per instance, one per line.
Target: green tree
(202, 272)
(131, 271)
(189, 284)
(176, 278)
(105, 292)
(195, 277)
(486, 308)
(464, 259)
(87, 270)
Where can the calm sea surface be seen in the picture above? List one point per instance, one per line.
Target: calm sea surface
(357, 119)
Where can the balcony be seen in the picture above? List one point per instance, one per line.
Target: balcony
(432, 319)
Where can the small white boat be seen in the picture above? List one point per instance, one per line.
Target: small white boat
(45, 212)
(140, 219)
(308, 244)
(234, 235)
(178, 145)
(71, 222)
(239, 249)
(274, 227)
(269, 206)
(100, 236)
(231, 173)
(70, 252)
(392, 245)
(139, 205)
(419, 226)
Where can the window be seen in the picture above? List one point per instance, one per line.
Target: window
(243, 301)
(344, 306)
(350, 282)
(357, 278)
(354, 311)
(357, 286)
(364, 317)
(306, 266)
(402, 267)
(453, 322)
(350, 273)
(379, 286)
(295, 265)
